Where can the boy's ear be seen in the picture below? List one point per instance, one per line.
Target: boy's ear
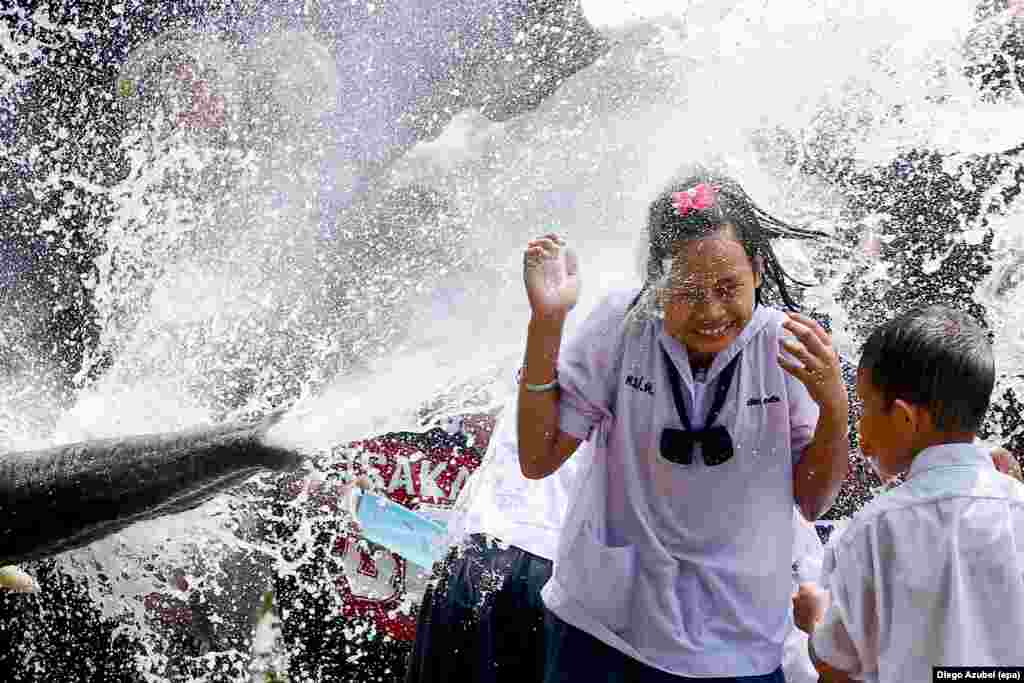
(913, 417)
(906, 415)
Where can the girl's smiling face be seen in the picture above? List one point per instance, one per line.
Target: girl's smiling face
(711, 293)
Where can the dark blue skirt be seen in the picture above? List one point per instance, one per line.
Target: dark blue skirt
(482, 619)
(575, 656)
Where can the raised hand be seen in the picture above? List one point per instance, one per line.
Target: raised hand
(818, 363)
(551, 277)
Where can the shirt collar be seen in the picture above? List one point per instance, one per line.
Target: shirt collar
(677, 352)
(951, 455)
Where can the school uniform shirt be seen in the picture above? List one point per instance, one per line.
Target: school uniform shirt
(808, 557)
(930, 573)
(686, 568)
(503, 503)
(808, 551)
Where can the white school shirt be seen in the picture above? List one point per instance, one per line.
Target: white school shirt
(808, 555)
(930, 573)
(685, 568)
(503, 503)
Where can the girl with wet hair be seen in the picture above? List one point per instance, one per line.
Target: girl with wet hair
(709, 415)
(754, 227)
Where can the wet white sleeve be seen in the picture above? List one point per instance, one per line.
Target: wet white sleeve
(808, 551)
(848, 637)
(588, 366)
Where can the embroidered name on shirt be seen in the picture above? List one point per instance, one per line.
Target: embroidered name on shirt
(763, 401)
(640, 384)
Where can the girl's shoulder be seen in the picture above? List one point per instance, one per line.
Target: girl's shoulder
(619, 302)
(600, 341)
(610, 312)
(763, 330)
(768, 317)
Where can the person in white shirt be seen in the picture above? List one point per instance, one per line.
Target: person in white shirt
(483, 620)
(928, 573)
(506, 516)
(709, 416)
(808, 554)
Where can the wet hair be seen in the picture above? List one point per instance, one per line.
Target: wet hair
(754, 228)
(935, 357)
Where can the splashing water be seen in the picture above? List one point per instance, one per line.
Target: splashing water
(217, 295)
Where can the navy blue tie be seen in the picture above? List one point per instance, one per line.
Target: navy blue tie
(716, 443)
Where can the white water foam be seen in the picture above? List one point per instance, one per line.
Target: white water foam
(209, 277)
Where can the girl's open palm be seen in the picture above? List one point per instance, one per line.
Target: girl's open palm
(815, 362)
(551, 276)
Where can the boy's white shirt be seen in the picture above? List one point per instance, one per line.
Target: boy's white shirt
(685, 568)
(930, 573)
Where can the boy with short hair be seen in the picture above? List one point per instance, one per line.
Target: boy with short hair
(930, 572)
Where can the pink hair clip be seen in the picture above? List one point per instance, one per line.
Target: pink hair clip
(701, 197)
